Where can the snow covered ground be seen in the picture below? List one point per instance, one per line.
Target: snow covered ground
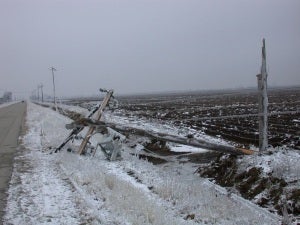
(66, 188)
(7, 104)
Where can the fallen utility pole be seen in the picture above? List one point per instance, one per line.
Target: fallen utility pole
(180, 140)
(98, 117)
(97, 126)
(76, 130)
(100, 126)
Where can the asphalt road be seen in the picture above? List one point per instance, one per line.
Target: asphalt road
(11, 120)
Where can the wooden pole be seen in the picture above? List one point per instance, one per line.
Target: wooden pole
(98, 117)
(180, 140)
(38, 92)
(42, 92)
(263, 103)
(54, 98)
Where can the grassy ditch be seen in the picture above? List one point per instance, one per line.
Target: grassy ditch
(264, 189)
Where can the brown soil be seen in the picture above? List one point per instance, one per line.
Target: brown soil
(253, 182)
(185, 110)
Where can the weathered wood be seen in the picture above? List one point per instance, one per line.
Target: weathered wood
(181, 140)
(263, 102)
(83, 122)
(98, 117)
(76, 130)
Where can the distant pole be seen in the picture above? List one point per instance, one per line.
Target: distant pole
(263, 102)
(32, 95)
(38, 92)
(54, 98)
(41, 87)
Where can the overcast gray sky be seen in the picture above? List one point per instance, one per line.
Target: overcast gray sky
(146, 45)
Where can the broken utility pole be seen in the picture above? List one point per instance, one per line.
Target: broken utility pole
(77, 129)
(263, 102)
(180, 140)
(98, 117)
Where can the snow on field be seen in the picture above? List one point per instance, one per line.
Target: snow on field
(66, 188)
(160, 127)
(185, 148)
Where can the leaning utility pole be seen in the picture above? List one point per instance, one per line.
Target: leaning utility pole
(54, 98)
(109, 94)
(263, 102)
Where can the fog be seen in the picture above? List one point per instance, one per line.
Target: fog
(140, 46)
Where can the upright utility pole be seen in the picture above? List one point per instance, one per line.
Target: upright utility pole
(263, 102)
(38, 92)
(54, 98)
(33, 95)
(41, 87)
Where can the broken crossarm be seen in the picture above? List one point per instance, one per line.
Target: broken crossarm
(77, 129)
(111, 149)
(98, 117)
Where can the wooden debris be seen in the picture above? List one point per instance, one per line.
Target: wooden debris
(98, 117)
(181, 140)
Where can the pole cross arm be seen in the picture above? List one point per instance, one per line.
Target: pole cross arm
(78, 126)
(98, 117)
